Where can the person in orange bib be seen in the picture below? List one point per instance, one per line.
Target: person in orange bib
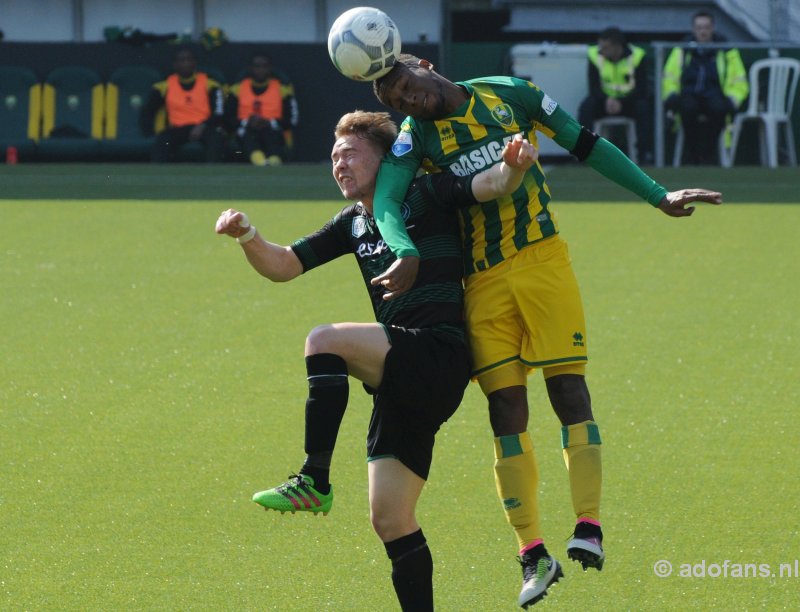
(262, 110)
(194, 105)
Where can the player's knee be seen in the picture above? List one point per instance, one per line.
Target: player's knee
(508, 411)
(388, 522)
(570, 398)
(321, 339)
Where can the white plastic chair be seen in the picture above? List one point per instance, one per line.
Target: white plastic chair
(771, 107)
(602, 127)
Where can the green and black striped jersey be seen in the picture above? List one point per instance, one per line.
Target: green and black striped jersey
(471, 139)
(436, 300)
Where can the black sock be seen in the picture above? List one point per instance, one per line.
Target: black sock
(328, 390)
(412, 572)
(318, 466)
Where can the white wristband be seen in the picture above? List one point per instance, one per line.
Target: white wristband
(247, 236)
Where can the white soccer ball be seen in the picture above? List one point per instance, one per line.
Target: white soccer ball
(363, 43)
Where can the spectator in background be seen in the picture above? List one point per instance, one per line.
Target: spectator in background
(705, 87)
(262, 110)
(194, 106)
(619, 86)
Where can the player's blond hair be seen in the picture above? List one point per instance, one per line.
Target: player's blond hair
(377, 128)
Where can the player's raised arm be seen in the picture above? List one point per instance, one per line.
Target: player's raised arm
(275, 262)
(506, 177)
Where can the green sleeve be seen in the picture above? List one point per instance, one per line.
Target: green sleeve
(613, 164)
(390, 190)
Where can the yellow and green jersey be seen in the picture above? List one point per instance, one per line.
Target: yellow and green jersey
(471, 139)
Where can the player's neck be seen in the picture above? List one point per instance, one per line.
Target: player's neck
(456, 96)
(366, 203)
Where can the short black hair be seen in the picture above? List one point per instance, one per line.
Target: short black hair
(185, 49)
(404, 61)
(614, 34)
(703, 14)
(256, 54)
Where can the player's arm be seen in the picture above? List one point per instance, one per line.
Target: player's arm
(391, 187)
(275, 262)
(613, 164)
(216, 102)
(506, 177)
(147, 116)
(231, 112)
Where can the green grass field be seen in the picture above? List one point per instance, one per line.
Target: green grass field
(151, 382)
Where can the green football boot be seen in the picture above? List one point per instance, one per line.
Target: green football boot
(296, 495)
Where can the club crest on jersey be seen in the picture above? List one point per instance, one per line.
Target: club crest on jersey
(359, 227)
(503, 114)
(405, 211)
(402, 144)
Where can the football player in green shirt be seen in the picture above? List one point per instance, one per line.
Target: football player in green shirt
(523, 305)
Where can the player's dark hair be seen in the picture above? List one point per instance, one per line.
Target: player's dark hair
(377, 128)
(612, 34)
(261, 54)
(404, 61)
(185, 49)
(703, 14)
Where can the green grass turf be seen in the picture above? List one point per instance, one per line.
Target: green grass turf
(570, 182)
(151, 382)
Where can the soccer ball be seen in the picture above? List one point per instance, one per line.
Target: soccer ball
(363, 43)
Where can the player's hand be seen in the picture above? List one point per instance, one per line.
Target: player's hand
(232, 223)
(674, 202)
(519, 153)
(399, 278)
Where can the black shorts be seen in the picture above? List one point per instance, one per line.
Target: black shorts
(424, 378)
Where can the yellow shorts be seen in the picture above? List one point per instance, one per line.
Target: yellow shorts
(525, 313)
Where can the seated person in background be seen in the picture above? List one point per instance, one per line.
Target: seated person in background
(262, 110)
(194, 107)
(701, 82)
(619, 86)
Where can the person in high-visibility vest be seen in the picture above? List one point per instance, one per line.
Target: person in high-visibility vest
(705, 87)
(262, 110)
(619, 86)
(194, 105)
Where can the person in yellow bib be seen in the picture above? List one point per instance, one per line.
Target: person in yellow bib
(194, 105)
(262, 110)
(705, 87)
(619, 87)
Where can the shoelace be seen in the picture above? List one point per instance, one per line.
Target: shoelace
(536, 569)
(295, 482)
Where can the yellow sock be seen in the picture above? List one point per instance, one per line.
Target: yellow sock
(517, 479)
(581, 444)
